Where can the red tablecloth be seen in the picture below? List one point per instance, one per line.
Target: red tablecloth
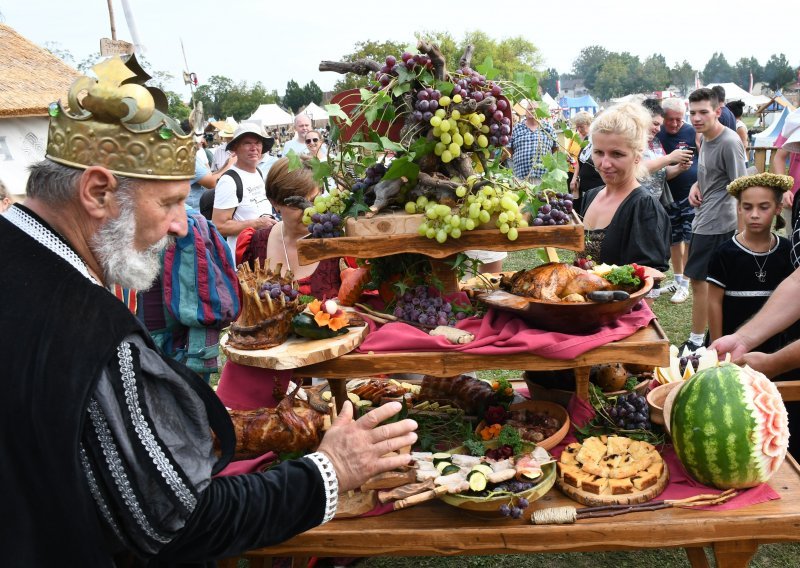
(500, 332)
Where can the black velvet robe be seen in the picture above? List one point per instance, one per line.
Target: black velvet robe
(61, 335)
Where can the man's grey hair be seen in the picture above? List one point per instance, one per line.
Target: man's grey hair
(674, 104)
(56, 184)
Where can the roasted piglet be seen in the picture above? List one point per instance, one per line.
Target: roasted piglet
(466, 392)
(291, 426)
(554, 281)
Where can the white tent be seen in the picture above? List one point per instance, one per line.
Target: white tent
(319, 117)
(767, 137)
(734, 92)
(550, 102)
(271, 115)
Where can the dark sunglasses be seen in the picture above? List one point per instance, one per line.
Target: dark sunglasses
(310, 140)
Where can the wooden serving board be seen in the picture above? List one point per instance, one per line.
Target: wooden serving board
(592, 499)
(385, 224)
(297, 351)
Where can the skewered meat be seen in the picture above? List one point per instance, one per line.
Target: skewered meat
(285, 428)
(376, 389)
(553, 281)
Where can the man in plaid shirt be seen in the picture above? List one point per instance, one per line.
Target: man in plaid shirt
(531, 141)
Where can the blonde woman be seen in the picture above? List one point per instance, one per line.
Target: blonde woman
(623, 222)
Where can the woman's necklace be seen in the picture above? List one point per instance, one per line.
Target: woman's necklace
(761, 274)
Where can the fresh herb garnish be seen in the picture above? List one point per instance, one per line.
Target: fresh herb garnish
(623, 276)
(509, 436)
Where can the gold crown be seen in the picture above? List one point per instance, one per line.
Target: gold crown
(116, 122)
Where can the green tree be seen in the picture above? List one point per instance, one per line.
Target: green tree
(64, 55)
(213, 94)
(612, 79)
(509, 56)
(549, 81)
(312, 93)
(655, 73)
(589, 63)
(375, 50)
(742, 70)
(777, 72)
(294, 97)
(634, 81)
(178, 109)
(717, 69)
(682, 76)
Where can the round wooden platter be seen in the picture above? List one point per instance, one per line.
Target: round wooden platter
(297, 351)
(592, 499)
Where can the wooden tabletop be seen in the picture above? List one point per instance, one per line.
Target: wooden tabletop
(433, 529)
(648, 346)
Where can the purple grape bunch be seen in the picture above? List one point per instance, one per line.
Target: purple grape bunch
(630, 412)
(419, 306)
(426, 101)
(275, 289)
(372, 175)
(514, 511)
(326, 226)
(411, 62)
(556, 210)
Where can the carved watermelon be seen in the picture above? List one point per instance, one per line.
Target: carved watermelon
(729, 427)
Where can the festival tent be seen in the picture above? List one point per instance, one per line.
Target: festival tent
(767, 137)
(573, 105)
(734, 92)
(319, 118)
(271, 115)
(30, 79)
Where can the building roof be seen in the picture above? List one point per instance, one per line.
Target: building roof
(30, 77)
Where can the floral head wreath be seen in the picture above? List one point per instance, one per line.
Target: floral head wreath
(774, 181)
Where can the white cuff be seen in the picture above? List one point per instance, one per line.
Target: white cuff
(331, 483)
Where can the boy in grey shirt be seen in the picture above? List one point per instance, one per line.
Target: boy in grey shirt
(721, 161)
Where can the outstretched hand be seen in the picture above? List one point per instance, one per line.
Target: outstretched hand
(732, 344)
(358, 448)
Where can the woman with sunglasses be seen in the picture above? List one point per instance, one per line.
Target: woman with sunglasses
(316, 146)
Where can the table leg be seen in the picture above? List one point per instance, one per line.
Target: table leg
(339, 392)
(582, 382)
(697, 557)
(734, 554)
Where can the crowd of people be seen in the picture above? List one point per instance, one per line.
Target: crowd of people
(128, 442)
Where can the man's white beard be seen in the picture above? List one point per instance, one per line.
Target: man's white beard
(114, 247)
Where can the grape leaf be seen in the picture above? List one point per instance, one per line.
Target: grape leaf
(426, 78)
(370, 114)
(335, 132)
(389, 145)
(367, 145)
(320, 169)
(365, 94)
(487, 68)
(421, 147)
(294, 160)
(401, 88)
(404, 75)
(444, 87)
(336, 111)
(403, 167)
(355, 204)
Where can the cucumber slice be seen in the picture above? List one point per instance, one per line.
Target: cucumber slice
(450, 468)
(440, 457)
(477, 481)
(440, 467)
(483, 468)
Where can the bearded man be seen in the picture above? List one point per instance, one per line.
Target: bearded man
(107, 445)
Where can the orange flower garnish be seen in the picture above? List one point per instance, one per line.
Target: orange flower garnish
(314, 307)
(322, 318)
(338, 321)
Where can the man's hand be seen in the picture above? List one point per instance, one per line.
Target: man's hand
(264, 221)
(695, 199)
(762, 362)
(680, 156)
(358, 448)
(733, 344)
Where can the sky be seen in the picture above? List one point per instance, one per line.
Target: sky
(274, 42)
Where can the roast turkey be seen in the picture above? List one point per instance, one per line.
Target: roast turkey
(554, 281)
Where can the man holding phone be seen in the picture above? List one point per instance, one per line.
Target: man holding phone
(675, 134)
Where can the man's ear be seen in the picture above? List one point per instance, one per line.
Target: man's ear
(96, 188)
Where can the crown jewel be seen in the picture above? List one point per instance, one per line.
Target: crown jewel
(117, 122)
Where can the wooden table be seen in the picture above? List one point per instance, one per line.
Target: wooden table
(436, 529)
(648, 346)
